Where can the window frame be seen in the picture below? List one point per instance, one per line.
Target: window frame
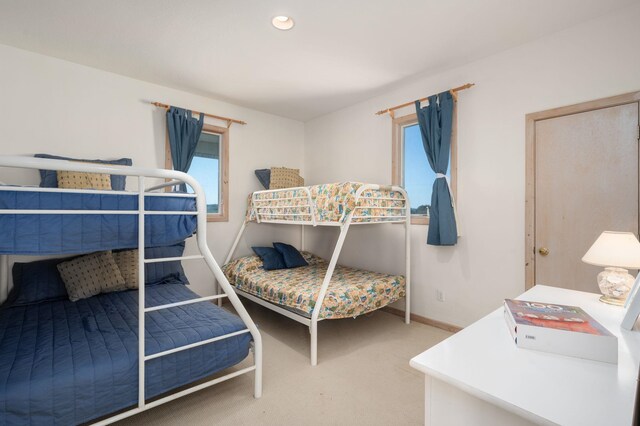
(223, 207)
(397, 157)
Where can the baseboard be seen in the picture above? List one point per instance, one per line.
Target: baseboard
(424, 320)
(414, 317)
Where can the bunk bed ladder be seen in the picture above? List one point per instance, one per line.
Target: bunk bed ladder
(143, 310)
(346, 222)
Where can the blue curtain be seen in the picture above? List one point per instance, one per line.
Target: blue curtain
(435, 122)
(184, 133)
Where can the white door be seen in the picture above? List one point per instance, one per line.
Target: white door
(586, 182)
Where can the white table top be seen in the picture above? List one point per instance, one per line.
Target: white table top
(483, 361)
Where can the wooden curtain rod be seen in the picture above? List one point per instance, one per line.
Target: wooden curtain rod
(453, 92)
(217, 117)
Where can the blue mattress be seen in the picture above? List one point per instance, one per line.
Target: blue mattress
(66, 363)
(35, 234)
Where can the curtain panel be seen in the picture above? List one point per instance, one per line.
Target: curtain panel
(435, 121)
(184, 133)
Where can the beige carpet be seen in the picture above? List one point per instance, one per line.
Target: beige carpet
(363, 377)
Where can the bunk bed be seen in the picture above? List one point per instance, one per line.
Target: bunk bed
(323, 290)
(64, 362)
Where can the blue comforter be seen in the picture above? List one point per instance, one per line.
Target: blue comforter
(38, 234)
(66, 363)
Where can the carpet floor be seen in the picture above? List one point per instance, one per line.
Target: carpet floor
(363, 377)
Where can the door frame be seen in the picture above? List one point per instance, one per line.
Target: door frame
(530, 167)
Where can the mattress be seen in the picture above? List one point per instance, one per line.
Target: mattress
(68, 362)
(351, 292)
(332, 202)
(40, 234)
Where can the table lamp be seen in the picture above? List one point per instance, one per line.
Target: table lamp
(617, 252)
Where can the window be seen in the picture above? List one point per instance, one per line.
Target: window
(210, 168)
(411, 169)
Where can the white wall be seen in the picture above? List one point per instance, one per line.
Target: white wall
(591, 61)
(53, 106)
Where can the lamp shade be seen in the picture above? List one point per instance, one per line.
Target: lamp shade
(618, 249)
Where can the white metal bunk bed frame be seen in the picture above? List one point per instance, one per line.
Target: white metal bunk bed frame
(344, 223)
(172, 178)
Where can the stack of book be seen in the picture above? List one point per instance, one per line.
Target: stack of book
(561, 329)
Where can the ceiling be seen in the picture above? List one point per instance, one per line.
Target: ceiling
(339, 53)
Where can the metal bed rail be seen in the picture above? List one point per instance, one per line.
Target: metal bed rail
(346, 221)
(306, 214)
(174, 178)
(262, 204)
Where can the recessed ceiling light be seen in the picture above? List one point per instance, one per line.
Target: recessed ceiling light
(282, 22)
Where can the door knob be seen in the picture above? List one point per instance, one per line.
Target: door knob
(543, 251)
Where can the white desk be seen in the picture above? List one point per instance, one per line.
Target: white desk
(478, 376)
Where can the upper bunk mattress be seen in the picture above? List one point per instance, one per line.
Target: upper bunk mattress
(68, 362)
(332, 202)
(39, 234)
(351, 292)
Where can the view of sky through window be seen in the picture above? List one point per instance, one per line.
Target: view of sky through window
(205, 170)
(205, 167)
(418, 177)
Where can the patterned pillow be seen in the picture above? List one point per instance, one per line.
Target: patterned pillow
(165, 272)
(81, 180)
(127, 261)
(49, 178)
(155, 273)
(90, 275)
(282, 177)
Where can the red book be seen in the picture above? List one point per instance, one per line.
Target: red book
(566, 330)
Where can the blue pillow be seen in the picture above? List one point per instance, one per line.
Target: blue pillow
(49, 178)
(271, 258)
(165, 272)
(264, 176)
(36, 282)
(291, 255)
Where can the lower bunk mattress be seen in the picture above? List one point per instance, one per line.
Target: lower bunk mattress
(68, 362)
(351, 292)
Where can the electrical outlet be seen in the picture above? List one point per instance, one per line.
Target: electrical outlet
(440, 295)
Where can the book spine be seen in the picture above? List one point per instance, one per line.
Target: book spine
(570, 343)
(511, 325)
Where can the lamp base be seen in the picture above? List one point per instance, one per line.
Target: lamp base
(615, 284)
(611, 301)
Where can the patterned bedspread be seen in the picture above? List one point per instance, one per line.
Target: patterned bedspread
(352, 292)
(331, 202)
